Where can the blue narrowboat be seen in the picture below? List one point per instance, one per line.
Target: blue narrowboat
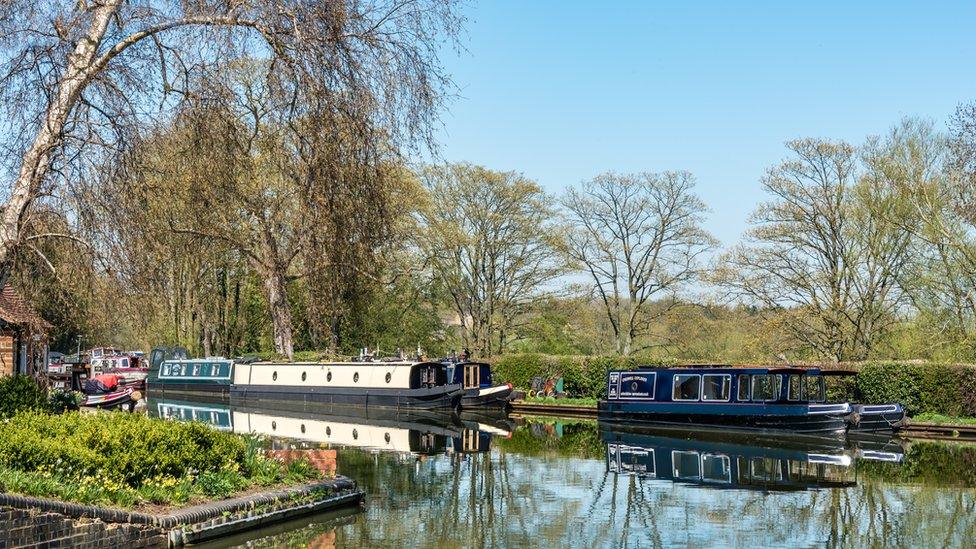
(479, 391)
(723, 397)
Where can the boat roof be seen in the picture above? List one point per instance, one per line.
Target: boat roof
(744, 369)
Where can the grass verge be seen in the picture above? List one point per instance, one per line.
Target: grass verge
(561, 401)
(944, 420)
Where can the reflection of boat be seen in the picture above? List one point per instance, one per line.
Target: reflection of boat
(491, 420)
(733, 464)
(479, 392)
(408, 432)
(364, 384)
(741, 460)
(790, 400)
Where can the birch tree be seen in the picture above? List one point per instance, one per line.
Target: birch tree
(639, 237)
(79, 79)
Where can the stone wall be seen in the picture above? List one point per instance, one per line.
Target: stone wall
(30, 528)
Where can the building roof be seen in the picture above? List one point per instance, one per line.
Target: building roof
(15, 310)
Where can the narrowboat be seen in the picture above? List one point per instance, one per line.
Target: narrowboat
(206, 378)
(479, 392)
(333, 386)
(326, 386)
(791, 400)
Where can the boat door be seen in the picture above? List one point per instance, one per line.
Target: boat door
(472, 376)
(428, 375)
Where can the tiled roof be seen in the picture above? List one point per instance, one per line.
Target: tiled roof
(14, 310)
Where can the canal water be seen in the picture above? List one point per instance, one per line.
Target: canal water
(543, 482)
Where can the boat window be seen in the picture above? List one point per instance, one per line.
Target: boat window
(743, 388)
(716, 387)
(812, 389)
(766, 387)
(716, 468)
(794, 387)
(686, 465)
(686, 387)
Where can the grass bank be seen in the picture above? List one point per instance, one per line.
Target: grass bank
(129, 460)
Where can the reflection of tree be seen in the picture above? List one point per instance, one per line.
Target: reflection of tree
(543, 491)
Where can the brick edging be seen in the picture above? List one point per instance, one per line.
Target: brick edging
(188, 515)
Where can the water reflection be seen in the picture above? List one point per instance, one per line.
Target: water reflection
(405, 433)
(575, 484)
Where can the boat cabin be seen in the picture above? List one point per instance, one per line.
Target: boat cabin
(717, 384)
(470, 375)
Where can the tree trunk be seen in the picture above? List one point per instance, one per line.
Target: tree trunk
(276, 286)
(37, 158)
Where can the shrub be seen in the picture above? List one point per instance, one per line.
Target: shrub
(19, 393)
(126, 458)
(933, 388)
(583, 376)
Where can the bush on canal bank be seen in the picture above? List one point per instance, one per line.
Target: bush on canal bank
(584, 376)
(921, 387)
(18, 393)
(128, 459)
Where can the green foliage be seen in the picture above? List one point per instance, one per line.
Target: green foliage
(125, 459)
(562, 401)
(944, 420)
(584, 376)
(929, 463)
(568, 438)
(20, 393)
(221, 484)
(62, 401)
(919, 387)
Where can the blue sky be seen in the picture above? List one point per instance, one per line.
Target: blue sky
(562, 91)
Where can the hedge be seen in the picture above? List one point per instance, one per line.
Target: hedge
(921, 387)
(584, 376)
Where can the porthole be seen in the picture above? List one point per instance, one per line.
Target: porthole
(274, 376)
(328, 376)
(389, 376)
(303, 427)
(355, 434)
(303, 376)
(386, 436)
(355, 377)
(328, 431)
(274, 425)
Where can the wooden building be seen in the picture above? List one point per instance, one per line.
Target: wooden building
(23, 336)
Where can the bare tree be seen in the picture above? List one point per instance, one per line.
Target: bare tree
(828, 248)
(639, 237)
(942, 186)
(488, 237)
(78, 79)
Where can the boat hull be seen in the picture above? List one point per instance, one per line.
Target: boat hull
(826, 420)
(487, 397)
(196, 390)
(108, 400)
(438, 397)
(882, 418)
